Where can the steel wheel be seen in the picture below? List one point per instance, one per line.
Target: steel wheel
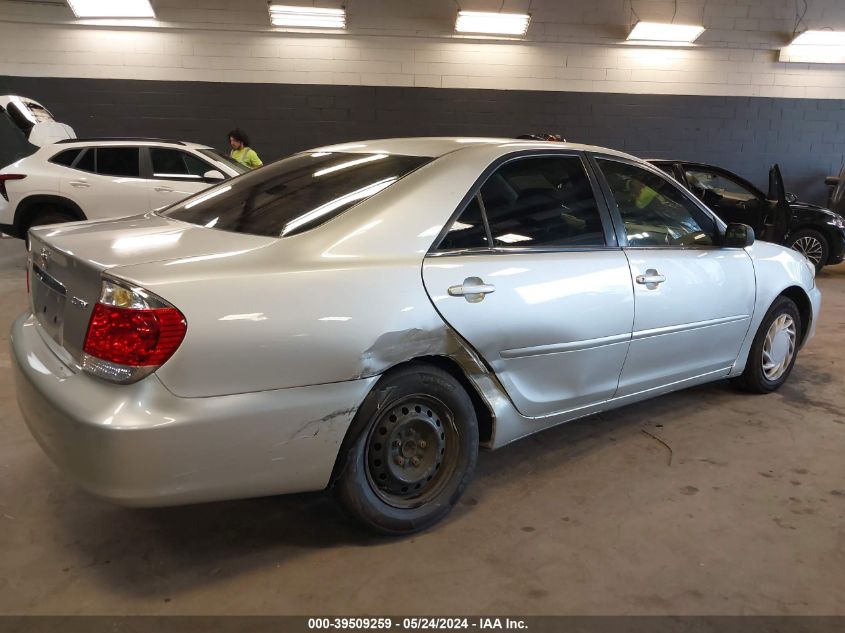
(410, 451)
(811, 247)
(779, 347)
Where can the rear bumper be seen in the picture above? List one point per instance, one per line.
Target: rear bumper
(140, 445)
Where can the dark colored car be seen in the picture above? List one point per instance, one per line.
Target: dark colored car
(816, 232)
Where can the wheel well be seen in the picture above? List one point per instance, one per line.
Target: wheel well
(825, 233)
(805, 310)
(482, 411)
(23, 214)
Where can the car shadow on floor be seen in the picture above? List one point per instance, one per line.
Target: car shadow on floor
(202, 544)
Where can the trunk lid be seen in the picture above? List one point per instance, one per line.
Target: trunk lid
(67, 263)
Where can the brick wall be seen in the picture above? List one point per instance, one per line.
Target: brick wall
(745, 134)
(207, 65)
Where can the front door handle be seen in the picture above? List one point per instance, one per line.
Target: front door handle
(473, 289)
(163, 189)
(79, 184)
(651, 279)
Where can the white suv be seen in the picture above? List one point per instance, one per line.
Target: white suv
(88, 179)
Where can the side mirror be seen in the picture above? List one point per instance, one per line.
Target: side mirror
(738, 236)
(831, 181)
(212, 175)
(791, 198)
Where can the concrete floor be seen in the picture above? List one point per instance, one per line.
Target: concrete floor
(589, 518)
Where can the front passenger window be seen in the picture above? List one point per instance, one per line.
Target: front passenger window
(171, 164)
(656, 212)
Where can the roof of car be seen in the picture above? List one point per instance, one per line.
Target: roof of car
(128, 139)
(435, 146)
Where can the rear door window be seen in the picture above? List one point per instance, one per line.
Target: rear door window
(119, 161)
(295, 194)
(543, 202)
(88, 160)
(66, 157)
(468, 231)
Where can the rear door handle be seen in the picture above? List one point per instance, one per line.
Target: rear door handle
(79, 184)
(473, 289)
(163, 189)
(651, 279)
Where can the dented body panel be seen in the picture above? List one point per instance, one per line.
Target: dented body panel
(286, 337)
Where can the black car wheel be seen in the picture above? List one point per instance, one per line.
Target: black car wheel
(411, 451)
(774, 349)
(812, 244)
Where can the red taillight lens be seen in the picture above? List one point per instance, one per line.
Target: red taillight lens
(134, 337)
(3, 179)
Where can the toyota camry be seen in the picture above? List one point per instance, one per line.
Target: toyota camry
(364, 317)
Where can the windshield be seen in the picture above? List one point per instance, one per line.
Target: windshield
(295, 194)
(220, 158)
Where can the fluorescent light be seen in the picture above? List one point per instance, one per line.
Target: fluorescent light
(208, 196)
(494, 23)
(664, 32)
(816, 47)
(347, 164)
(307, 17)
(328, 207)
(112, 8)
(820, 38)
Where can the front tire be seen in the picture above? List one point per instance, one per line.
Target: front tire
(411, 451)
(812, 245)
(774, 350)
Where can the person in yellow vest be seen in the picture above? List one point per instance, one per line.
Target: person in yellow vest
(643, 195)
(241, 151)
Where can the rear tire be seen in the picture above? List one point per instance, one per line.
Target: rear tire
(41, 216)
(812, 245)
(774, 350)
(410, 452)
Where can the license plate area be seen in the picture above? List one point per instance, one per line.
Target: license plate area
(48, 303)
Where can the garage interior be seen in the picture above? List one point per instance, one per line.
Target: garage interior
(702, 502)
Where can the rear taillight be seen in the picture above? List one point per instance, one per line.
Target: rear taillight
(6, 177)
(131, 333)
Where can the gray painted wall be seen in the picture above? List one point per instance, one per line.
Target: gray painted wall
(743, 134)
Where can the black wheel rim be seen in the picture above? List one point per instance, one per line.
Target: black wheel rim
(411, 451)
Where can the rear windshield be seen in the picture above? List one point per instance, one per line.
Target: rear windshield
(294, 194)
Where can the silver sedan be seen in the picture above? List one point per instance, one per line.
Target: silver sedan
(365, 316)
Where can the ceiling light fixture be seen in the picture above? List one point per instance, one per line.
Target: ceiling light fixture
(492, 23)
(307, 17)
(820, 38)
(112, 8)
(816, 47)
(665, 32)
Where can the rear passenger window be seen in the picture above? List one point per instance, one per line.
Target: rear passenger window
(543, 202)
(87, 161)
(468, 231)
(66, 157)
(118, 161)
